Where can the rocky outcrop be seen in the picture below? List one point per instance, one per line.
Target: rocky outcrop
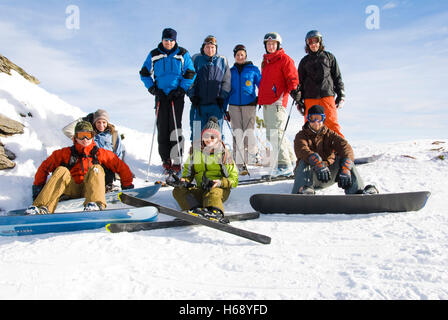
(6, 66)
(6, 158)
(8, 127)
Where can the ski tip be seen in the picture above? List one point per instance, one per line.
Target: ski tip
(119, 195)
(108, 227)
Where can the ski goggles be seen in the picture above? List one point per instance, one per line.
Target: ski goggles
(81, 135)
(316, 117)
(168, 39)
(210, 40)
(312, 40)
(271, 36)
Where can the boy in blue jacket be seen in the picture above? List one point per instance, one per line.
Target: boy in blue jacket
(168, 73)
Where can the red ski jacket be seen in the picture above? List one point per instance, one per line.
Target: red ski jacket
(85, 160)
(278, 76)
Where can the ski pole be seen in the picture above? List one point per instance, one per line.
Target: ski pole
(152, 142)
(177, 135)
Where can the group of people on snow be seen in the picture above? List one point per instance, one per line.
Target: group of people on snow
(321, 155)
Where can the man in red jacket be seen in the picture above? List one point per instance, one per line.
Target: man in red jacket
(278, 77)
(77, 172)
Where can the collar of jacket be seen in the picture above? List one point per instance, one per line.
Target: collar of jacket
(84, 150)
(240, 67)
(310, 131)
(273, 57)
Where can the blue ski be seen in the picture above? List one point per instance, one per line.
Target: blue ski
(21, 225)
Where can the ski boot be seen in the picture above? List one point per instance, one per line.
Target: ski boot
(93, 206)
(34, 210)
(370, 189)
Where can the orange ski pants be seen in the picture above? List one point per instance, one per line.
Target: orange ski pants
(331, 113)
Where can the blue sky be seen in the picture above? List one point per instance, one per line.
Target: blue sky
(394, 76)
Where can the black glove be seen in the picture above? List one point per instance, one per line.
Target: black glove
(322, 171)
(207, 184)
(36, 190)
(344, 176)
(296, 94)
(89, 117)
(195, 100)
(131, 186)
(176, 93)
(227, 116)
(220, 102)
(301, 107)
(155, 91)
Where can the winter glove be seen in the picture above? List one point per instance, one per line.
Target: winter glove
(89, 117)
(227, 116)
(155, 91)
(195, 100)
(131, 186)
(296, 95)
(220, 102)
(322, 171)
(340, 105)
(176, 93)
(344, 176)
(36, 190)
(340, 100)
(301, 107)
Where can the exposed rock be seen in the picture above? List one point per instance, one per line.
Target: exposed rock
(6, 65)
(5, 161)
(9, 127)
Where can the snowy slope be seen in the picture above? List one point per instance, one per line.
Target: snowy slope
(378, 256)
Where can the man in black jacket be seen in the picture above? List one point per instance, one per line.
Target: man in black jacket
(320, 81)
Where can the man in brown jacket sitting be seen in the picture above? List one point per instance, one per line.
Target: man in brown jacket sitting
(324, 159)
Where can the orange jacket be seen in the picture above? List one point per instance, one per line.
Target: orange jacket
(278, 76)
(61, 157)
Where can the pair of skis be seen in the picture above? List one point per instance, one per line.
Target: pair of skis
(185, 219)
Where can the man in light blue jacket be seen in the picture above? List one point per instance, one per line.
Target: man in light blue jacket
(211, 87)
(168, 73)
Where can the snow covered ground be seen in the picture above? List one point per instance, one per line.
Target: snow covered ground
(378, 256)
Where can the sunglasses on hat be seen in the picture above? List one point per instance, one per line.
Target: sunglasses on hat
(81, 135)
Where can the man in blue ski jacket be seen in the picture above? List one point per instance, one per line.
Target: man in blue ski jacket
(211, 87)
(168, 73)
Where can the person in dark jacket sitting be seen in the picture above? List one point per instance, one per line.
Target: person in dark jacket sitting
(324, 158)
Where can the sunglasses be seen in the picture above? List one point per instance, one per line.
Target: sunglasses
(166, 39)
(81, 135)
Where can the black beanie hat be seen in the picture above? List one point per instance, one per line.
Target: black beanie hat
(316, 109)
(169, 33)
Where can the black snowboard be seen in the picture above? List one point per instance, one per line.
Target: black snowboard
(346, 204)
